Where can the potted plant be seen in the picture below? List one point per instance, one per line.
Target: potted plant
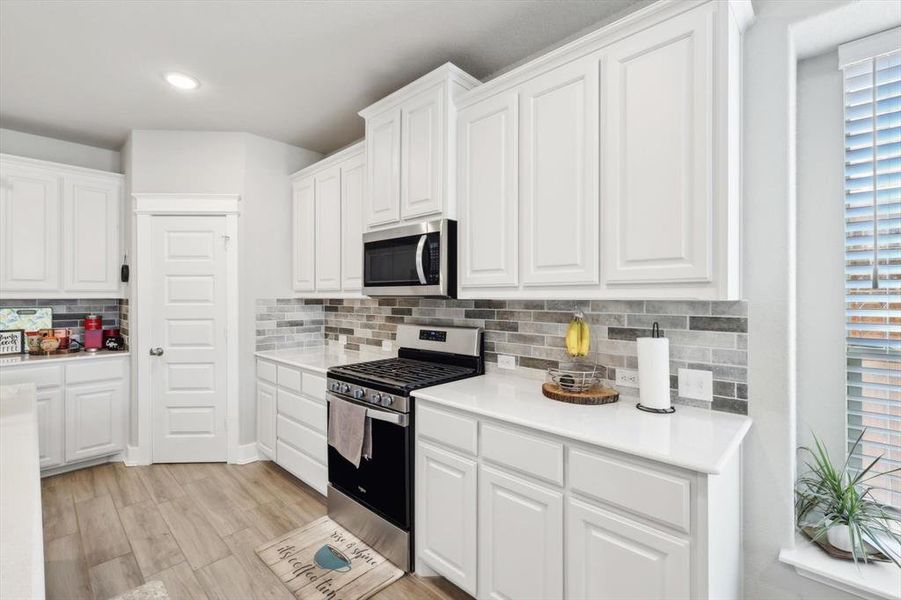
(838, 504)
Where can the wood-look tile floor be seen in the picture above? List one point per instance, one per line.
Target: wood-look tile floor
(110, 528)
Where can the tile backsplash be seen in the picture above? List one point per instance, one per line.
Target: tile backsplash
(703, 335)
(70, 313)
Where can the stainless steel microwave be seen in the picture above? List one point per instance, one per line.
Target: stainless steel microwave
(411, 260)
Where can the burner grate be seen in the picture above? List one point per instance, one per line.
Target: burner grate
(404, 372)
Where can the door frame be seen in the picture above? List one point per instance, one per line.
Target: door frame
(147, 206)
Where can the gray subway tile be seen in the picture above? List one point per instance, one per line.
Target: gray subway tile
(732, 324)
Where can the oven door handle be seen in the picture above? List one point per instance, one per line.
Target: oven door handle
(420, 269)
(379, 415)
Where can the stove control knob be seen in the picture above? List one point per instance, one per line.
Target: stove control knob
(345, 389)
(387, 400)
(359, 393)
(335, 386)
(375, 398)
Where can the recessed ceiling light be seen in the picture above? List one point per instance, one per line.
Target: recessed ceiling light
(181, 81)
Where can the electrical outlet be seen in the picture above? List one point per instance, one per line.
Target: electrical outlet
(505, 361)
(342, 339)
(627, 377)
(387, 346)
(696, 384)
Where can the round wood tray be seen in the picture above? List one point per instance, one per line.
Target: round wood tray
(596, 395)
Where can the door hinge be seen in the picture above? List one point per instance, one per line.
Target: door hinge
(226, 239)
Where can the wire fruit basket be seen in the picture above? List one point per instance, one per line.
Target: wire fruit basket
(575, 377)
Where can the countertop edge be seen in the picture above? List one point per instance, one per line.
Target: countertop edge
(707, 469)
(75, 356)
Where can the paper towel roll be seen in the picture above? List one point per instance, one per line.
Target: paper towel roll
(653, 373)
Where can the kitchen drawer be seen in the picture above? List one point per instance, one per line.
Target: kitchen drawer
(302, 466)
(306, 410)
(42, 377)
(312, 443)
(97, 370)
(266, 370)
(289, 378)
(451, 429)
(314, 386)
(524, 452)
(660, 496)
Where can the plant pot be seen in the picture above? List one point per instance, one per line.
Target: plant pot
(839, 536)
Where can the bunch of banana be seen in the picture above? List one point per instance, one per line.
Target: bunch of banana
(578, 336)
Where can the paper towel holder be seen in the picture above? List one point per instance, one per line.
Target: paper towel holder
(655, 333)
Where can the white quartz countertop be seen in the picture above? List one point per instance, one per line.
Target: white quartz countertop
(9, 360)
(21, 533)
(319, 359)
(692, 438)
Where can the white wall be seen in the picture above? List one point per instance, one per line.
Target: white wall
(69, 153)
(821, 278)
(255, 168)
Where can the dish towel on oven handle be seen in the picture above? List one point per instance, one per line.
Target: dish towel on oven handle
(349, 430)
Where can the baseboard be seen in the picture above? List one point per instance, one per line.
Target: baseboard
(247, 453)
(130, 456)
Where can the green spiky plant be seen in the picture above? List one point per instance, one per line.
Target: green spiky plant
(844, 497)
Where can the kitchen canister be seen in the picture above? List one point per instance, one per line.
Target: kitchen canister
(93, 333)
(653, 373)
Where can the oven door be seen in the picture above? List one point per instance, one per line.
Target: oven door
(412, 260)
(384, 483)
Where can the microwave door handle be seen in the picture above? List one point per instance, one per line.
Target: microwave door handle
(420, 270)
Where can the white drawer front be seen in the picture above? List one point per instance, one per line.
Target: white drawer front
(533, 455)
(310, 442)
(302, 466)
(101, 370)
(306, 410)
(314, 386)
(448, 428)
(266, 370)
(289, 378)
(42, 377)
(659, 496)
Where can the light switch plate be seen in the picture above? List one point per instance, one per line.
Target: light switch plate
(387, 346)
(505, 361)
(696, 384)
(627, 377)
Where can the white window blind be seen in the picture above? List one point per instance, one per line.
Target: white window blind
(872, 97)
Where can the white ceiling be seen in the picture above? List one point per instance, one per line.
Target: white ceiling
(295, 71)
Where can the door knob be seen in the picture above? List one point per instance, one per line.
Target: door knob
(156, 352)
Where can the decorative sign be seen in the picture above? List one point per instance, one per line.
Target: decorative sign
(12, 341)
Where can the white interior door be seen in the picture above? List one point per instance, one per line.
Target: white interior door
(188, 312)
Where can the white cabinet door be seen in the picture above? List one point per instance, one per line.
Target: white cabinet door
(558, 175)
(29, 229)
(328, 230)
(487, 192)
(383, 168)
(91, 223)
(423, 153)
(353, 176)
(266, 403)
(520, 538)
(659, 152)
(51, 427)
(304, 235)
(611, 557)
(446, 514)
(94, 419)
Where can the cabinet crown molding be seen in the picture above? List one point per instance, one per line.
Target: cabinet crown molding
(446, 72)
(358, 147)
(24, 161)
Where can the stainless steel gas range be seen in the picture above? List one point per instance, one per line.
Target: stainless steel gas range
(375, 500)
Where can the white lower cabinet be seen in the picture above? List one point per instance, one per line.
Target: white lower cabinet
(612, 557)
(50, 424)
(94, 419)
(520, 538)
(447, 514)
(266, 419)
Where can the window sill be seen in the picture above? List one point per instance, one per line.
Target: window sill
(873, 580)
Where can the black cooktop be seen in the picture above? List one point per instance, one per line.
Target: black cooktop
(402, 374)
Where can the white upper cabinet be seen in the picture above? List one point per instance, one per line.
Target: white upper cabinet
(91, 234)
(383, 164)
(304, 235)
(409, 149)
(558, 175)
(59, 230)
(353, 180)
(658, 222)
(328, 230)
(488, 201)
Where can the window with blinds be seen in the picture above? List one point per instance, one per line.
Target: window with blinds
(872, 97)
